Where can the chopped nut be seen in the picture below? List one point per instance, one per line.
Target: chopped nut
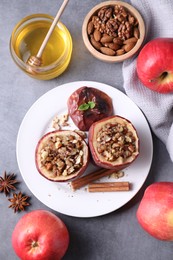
(115, 142)
(62, 155)
(49, 166)
(59, 121)
(44, 154)
(117, 175)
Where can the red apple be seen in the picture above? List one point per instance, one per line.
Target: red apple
(40, 235)
(155, 65)
(155, 212)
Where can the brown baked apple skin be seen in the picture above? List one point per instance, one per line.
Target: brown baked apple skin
(47, 174)
(85, 118)
(100, 160)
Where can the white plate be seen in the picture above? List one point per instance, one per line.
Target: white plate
(59, 196)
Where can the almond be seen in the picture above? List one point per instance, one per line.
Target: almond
(106, 39)
(136, 33)
(129, 46)
(132, 39)
(117, 40)
(97, 35)
(114, 46)
(120, 52)
(107, 51)
(96, 45)
(90, 28)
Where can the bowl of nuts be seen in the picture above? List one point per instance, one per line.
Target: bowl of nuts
(113, 31)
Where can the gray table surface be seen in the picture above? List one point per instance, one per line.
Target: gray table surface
(113, 236)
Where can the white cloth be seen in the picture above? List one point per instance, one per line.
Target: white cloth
(158, 108)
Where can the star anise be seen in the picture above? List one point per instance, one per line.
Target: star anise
(18, 202)
(7, 183)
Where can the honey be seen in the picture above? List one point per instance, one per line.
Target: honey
(27, 38)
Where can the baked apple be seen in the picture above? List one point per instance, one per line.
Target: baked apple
(113, 142)
(61, 155)
(87, 105)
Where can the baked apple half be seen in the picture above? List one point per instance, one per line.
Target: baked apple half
(61, 155)
(87, 105)
(114, 143)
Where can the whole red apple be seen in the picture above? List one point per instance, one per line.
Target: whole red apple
(155, 211)
(155, 65)
(40, 235)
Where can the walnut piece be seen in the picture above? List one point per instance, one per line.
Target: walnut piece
(59, 121)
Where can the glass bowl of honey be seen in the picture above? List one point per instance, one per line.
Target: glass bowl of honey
(26, 39)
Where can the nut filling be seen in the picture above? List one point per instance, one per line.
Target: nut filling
(115, 141)
(113, 30)
(62, 155)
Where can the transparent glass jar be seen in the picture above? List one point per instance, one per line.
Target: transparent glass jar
(26, 40)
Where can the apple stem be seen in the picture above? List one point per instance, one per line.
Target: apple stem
(34, 244)
(164, 75)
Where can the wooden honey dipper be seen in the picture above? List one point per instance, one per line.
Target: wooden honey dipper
(37, 60)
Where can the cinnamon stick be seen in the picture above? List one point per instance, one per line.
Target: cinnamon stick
(93, 176)
(108, 186)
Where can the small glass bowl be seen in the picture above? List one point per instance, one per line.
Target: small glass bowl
(24, 36)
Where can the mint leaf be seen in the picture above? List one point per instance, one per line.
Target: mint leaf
(84, 106)
(91, 104)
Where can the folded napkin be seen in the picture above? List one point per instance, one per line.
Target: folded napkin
(158, 108)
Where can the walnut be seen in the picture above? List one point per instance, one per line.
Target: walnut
(102, 28)
(131, 19)
(105, 14)
(96, 22)
(125, 31)
(112, 27)
(120, 11)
